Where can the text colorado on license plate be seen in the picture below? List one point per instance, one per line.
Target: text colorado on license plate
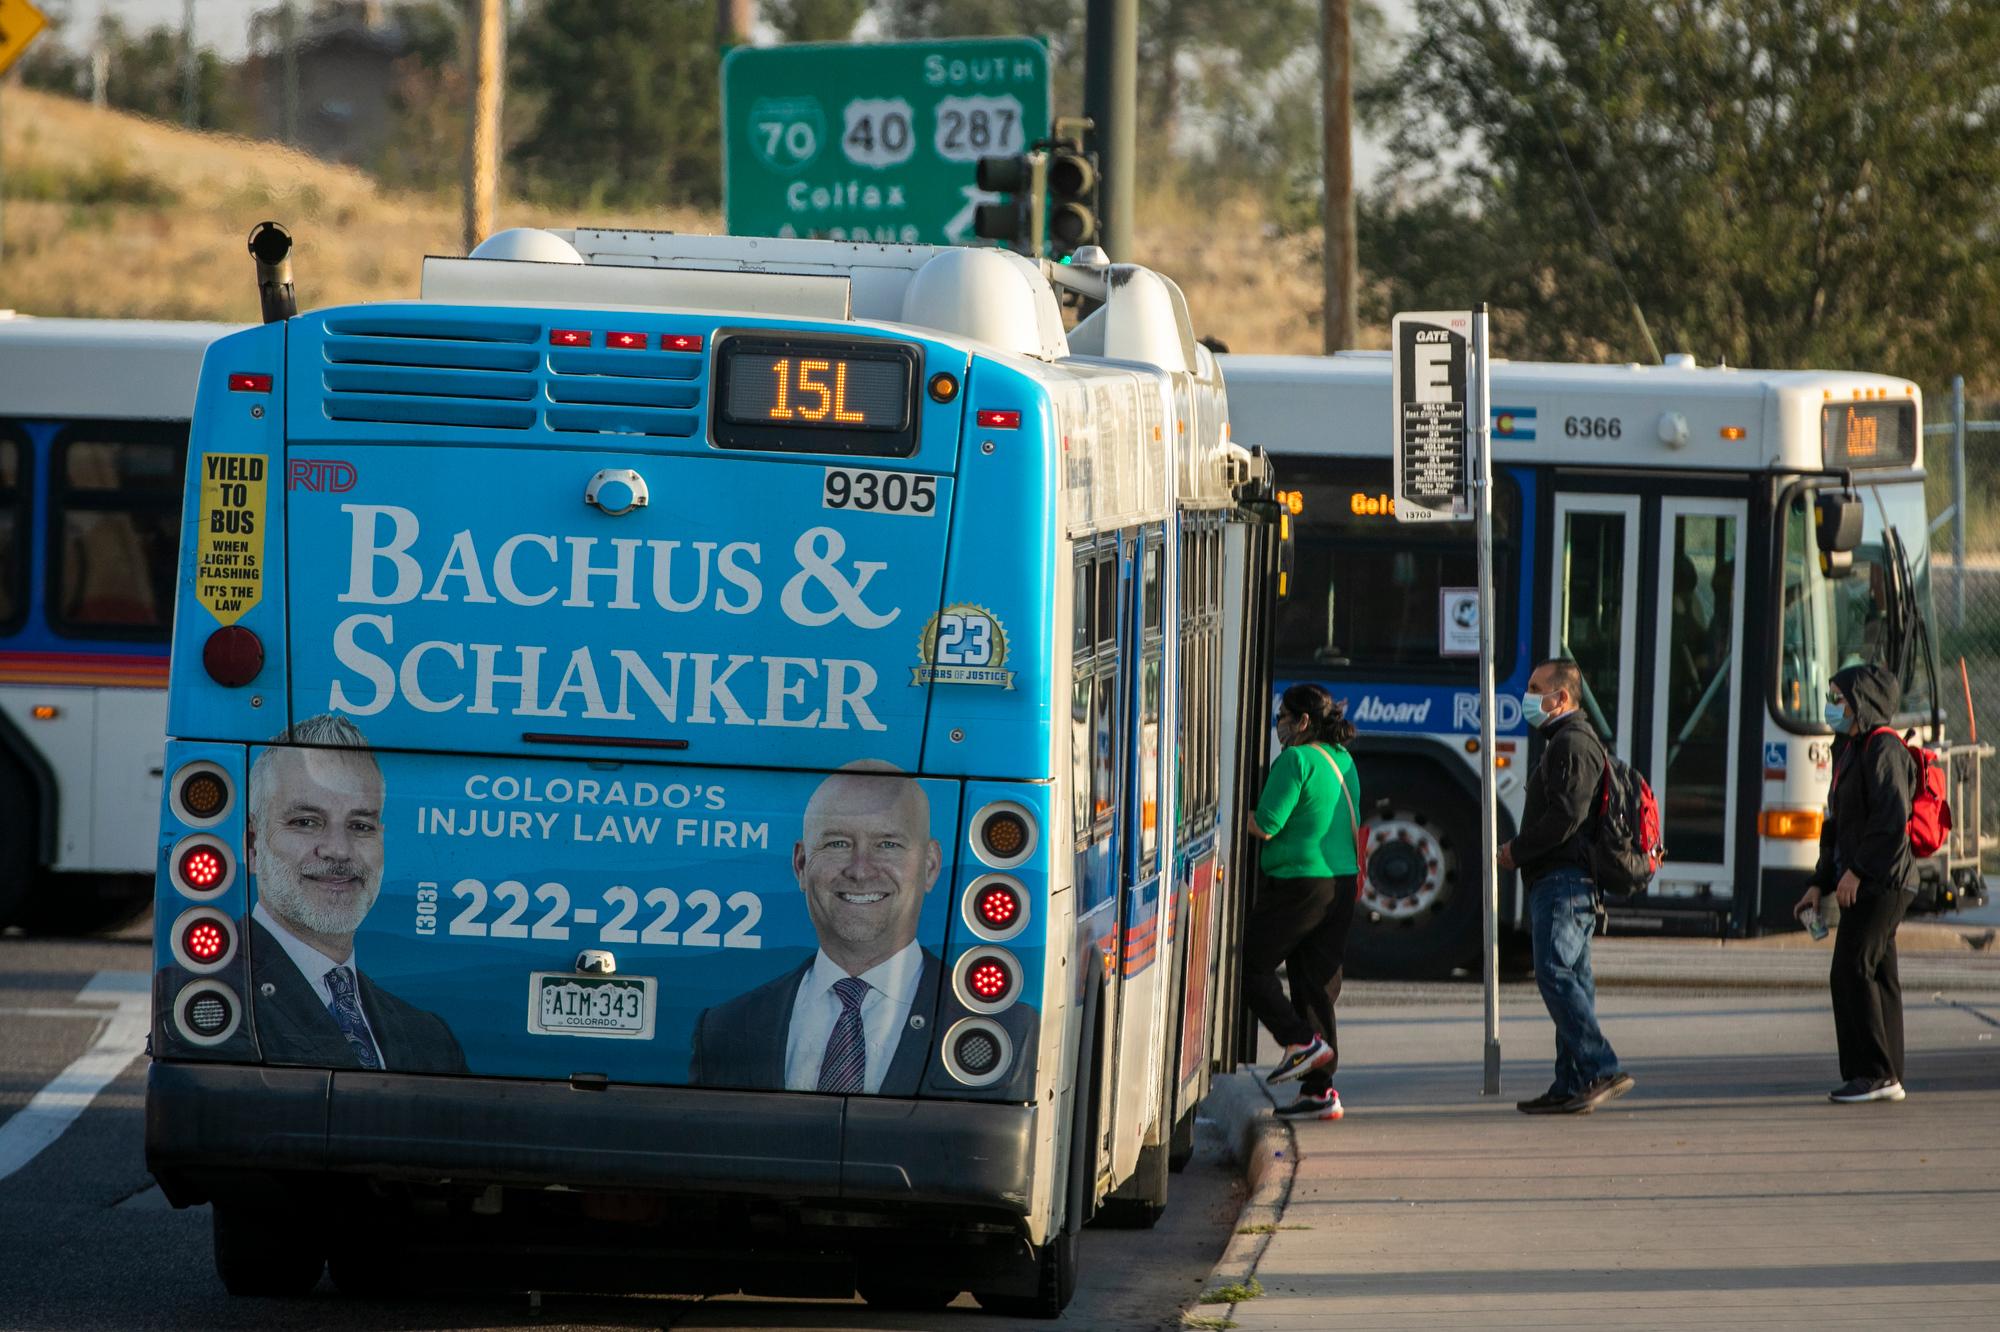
(562, 1003)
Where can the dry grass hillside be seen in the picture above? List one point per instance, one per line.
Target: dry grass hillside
(108, 214)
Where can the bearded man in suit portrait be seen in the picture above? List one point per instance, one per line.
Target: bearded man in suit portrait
(314, 843)
(853, 1018)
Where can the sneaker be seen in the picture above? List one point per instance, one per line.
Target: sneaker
(1546, 1104)
(1309, 1106)
(1857, 1090)
(1300, 1060)
(1601, 1092)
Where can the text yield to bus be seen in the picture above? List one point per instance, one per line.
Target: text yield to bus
(93, 439)
(1660, 524)
(701, 764)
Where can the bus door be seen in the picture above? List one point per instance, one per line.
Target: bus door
(1646, 595)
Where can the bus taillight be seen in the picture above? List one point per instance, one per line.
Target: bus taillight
(988, 980)
(200, 794)
(201, 867)
(232, 656)
(1003, 835)
(977, 1052)
(207, 1013)
(996, 907)
(204, 940)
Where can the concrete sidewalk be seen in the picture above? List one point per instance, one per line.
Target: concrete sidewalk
(1724, 1192)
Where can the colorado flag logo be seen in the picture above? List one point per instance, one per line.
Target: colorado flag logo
(1513, 423)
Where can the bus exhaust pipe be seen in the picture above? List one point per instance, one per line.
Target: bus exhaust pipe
(271, 247)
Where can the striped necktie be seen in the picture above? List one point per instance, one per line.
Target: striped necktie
(844, 1066)
(346, 1010)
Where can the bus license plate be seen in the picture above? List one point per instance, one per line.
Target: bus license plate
(562, 1003)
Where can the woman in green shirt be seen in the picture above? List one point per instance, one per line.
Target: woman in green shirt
(1308, 817)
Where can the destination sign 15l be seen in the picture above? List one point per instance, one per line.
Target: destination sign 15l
(816, 395)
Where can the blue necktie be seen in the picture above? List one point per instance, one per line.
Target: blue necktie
(346, 1010)
(845, 1064)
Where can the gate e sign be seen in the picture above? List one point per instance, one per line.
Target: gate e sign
(1431, 379)
(873, 141)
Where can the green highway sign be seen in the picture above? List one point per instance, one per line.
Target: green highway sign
(874, 141)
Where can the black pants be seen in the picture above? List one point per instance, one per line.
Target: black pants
(1302, 923)
(1867, 995)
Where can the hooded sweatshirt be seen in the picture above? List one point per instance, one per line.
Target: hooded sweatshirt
(1874, 783)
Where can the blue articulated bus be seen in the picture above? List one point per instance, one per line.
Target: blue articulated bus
(1671, 528)
(703, 764)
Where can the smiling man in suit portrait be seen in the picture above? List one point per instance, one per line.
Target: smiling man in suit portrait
(854, 1017)
(314, 843)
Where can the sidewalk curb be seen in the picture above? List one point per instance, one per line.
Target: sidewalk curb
(1265, 1149)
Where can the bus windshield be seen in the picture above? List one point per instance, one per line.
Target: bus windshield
(1827, 624)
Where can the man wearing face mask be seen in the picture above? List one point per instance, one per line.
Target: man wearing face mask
(1551, 851)
(1866, 864)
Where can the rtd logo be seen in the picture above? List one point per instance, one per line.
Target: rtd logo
(320, 474)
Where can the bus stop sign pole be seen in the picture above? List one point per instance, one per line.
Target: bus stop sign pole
(1489, 814)
(1441, 473)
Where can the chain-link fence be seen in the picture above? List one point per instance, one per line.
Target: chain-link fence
(1962, 457)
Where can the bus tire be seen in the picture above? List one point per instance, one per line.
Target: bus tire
(85, 903)
(1181, 1150)
(262, 1252)
(18, 830)
(1424, 918)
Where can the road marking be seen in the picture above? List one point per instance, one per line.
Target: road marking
(56, 1106)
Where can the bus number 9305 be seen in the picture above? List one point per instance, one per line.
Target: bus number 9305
(858, 488)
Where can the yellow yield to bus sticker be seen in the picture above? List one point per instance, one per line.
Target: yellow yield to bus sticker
(229, 562)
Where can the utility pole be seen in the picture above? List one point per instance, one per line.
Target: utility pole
(1110, 99)
(1336, 48)
(288, 34)
(189, 65)
(733, 20)
(482, 153)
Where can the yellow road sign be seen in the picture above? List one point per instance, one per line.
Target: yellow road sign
(20, 24)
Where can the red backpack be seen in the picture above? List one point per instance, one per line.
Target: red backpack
(1930, 809)
(1625, 848)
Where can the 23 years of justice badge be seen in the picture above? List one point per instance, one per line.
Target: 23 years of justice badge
(963, 644)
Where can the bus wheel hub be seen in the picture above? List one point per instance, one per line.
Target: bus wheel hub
(1406, 868)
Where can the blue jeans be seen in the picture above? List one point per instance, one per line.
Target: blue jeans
(1562, 913)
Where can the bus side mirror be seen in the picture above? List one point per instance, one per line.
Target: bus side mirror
(1837, 522)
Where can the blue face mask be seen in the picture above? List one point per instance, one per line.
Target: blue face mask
(1836, 716)
(1531, 710)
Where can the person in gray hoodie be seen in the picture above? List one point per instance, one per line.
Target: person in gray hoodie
(1866, 865)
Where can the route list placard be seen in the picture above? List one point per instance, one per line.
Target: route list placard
(1432, 444)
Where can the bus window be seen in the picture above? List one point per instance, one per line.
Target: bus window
(1593, 615)
(1368, 586)
(1151, 680)
(1827, 624)
(1700, 661)
(13, 531)
(116, 500)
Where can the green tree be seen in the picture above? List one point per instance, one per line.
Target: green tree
(1776, 182)
(144, 73)
(625, 101)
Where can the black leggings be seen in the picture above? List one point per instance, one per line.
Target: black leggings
(1302, 923)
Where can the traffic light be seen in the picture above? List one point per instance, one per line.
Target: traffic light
(1016, 221)
(1072, 199)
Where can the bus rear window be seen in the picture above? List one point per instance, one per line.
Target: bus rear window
(1365, 593)
(115, 529)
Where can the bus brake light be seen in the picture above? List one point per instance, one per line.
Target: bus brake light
(202, 867)
(989, 981)
(684, 342)
(626, 341)
(232, 656)
(569, 337)
(245, 383)
(991, 420)
(205, 940)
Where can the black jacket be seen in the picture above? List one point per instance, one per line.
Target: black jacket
(1561, 798)
(1867, 829)
(294, 1027)
(742, 1042)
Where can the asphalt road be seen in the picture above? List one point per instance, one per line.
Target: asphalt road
(87, 1241)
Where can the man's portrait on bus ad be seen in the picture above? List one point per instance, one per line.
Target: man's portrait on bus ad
(860, 1015)
(314, 844)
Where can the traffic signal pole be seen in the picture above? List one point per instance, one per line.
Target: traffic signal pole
(1110, 99)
